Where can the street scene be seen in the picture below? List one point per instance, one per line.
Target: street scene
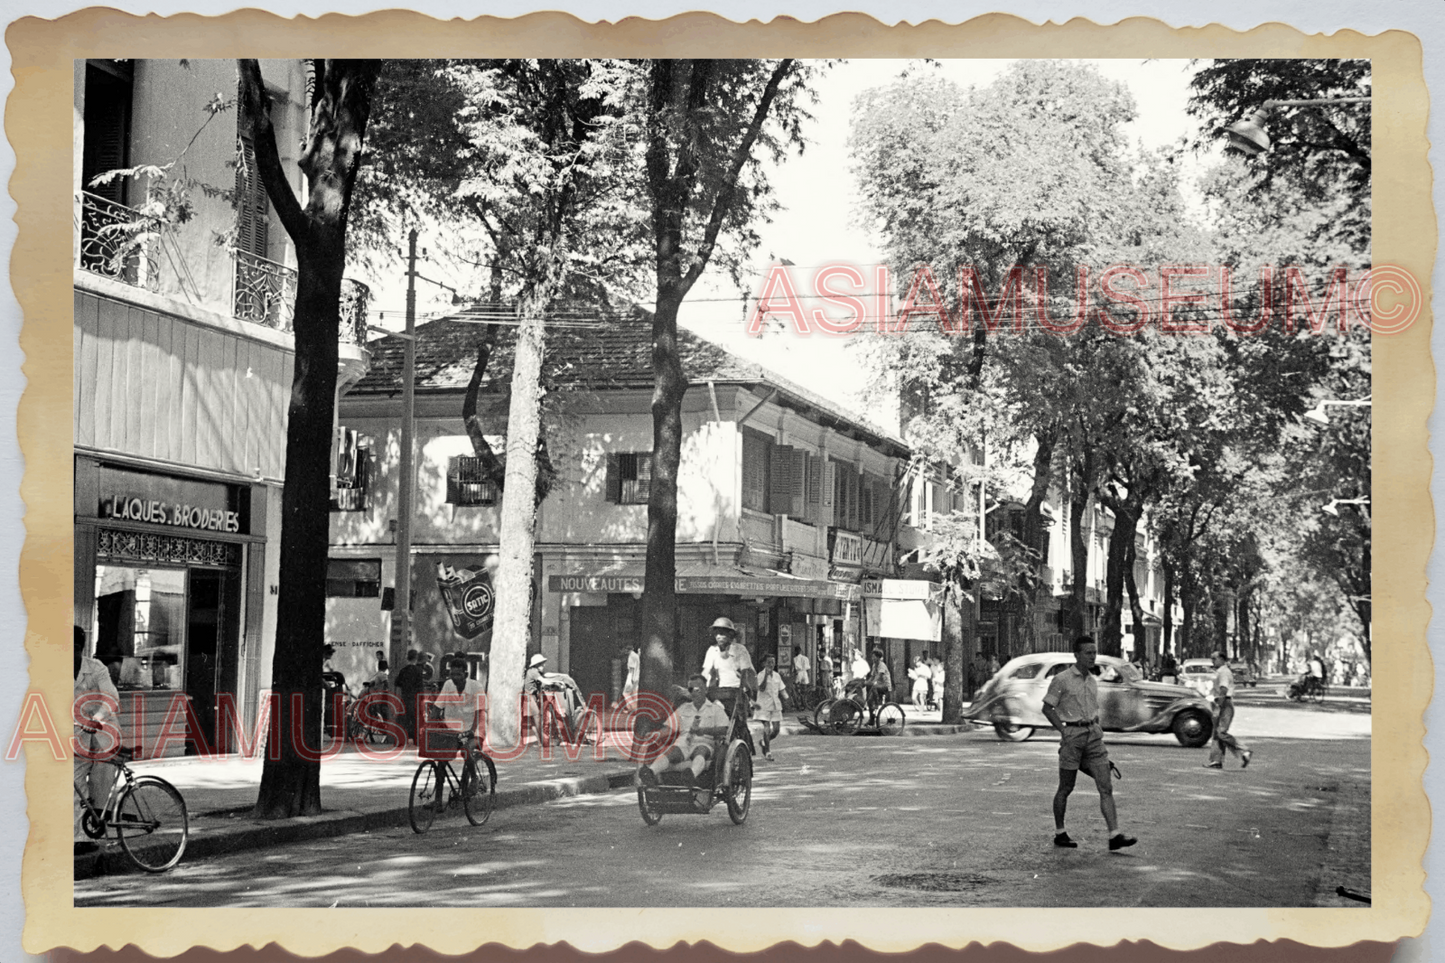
(551, 483)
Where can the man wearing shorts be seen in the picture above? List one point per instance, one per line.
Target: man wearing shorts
(700, 724)
(1072, 706)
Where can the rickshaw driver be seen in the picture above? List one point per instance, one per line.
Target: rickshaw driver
(729, 669)
(700, 723)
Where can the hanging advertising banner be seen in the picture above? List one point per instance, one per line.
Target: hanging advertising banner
(455, 602)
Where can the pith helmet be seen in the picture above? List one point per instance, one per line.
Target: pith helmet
(726, 625)
(536, 660)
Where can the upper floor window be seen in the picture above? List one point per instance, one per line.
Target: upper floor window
(353, 578)
(629, 477)
(352, 491)
(757, 467)
(468, 484)
(108, 88)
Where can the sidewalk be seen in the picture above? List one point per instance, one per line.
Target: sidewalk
(361, 792)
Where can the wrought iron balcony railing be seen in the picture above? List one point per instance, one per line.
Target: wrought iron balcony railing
(264, 292)
(113, 241)
(124, 244)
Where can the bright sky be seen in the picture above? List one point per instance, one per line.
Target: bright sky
(818, 222)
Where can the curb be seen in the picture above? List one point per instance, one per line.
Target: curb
(251, 835)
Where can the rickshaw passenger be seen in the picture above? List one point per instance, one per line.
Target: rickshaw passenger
(700, 723)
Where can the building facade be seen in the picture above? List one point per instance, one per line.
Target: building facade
(183, 359)
(787, 506)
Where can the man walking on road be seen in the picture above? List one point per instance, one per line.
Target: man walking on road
(1223, 716)
(1072, 706)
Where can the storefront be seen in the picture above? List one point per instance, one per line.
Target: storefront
(167, 570)
(601, 611)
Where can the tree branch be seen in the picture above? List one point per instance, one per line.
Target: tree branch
(723, 204)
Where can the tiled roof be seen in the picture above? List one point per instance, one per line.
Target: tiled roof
(615, 356)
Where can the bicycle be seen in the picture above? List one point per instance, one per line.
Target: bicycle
(848, 714)
(147, 813)
(362, 726)
(435, 778)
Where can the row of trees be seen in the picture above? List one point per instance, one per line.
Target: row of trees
(600, 181)
(1198, 437)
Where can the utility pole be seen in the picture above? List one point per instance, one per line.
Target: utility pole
(401, 610)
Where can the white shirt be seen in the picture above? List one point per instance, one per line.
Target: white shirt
(94, 677)
(461, 708)
(710, 716)
(801, 669)
(770, 691)
(860, 668)
(1223, 684)
(729, 667)
(634, 667)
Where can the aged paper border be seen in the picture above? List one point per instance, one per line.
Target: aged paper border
(1404, 235)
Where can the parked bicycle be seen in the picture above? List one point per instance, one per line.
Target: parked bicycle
(852, 714)
(363, 726)
(147, 813)
(437, 786)
(1307, 688)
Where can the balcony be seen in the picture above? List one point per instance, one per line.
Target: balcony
(129, 246)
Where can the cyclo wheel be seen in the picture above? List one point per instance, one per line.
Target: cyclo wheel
(1318, 693)
(152, 824)
(479, 790)
(738, 771)
(427, 789)
(821, 719)
(650, 815)
(891, 719)
(847, 716)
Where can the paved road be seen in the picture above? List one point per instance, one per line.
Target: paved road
(946, 821)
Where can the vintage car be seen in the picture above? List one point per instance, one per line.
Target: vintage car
(1198, 674)
(1013, 700)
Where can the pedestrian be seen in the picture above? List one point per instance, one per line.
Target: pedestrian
(409, 684)
(802, 670)
(936, 698)
(880, 681)
(428, 669)
(825, 673)
(729, 670)
(993, 666)
(1072, 706)
(1223, 716)
(921, 675)
(333, 683)
(532, 680)
(1168, 669)
(859, 667)
(380, 681)
(634, 671)
(769, 710)
(96, 701)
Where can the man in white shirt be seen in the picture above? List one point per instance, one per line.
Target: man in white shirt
(728, 668)
(802, 669)
(460, 700)
(1223, 716)
(700, 724)
(96, 700)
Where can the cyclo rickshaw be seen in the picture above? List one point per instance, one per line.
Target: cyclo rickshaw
(728, 779)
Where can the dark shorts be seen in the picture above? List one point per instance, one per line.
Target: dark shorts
(1083, 748)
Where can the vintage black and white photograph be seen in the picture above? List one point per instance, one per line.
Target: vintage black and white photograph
(724, 483)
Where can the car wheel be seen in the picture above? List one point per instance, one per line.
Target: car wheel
(1193, 729)
(1009, 732)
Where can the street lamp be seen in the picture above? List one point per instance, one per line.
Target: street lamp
(1317, 413)
(1249, 137)
(1333, 509)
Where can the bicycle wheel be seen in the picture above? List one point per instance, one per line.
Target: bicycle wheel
(738, 771)
(152, 824)
(479, 790)
(1318, 693)
(821, 717)
(427, 789)
(891, 719)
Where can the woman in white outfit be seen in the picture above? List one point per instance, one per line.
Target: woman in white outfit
(769, 710)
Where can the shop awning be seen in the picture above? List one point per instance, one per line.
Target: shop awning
(704, 579)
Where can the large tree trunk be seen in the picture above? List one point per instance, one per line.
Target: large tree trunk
(1167, 641)
(1078, 548)
(1034, 535)
(512, 627)
(1121, 551)
(339, 108)
(1142, 652)
(955, 600)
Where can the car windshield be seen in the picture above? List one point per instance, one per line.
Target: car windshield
(1129, 673)
(1196, 669)
(1027, 671)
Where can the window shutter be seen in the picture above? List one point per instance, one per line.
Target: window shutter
(865, 506)
(755, 472)
(780, 481)
(813, 489)
(107, 127)
(644, 476)
(828, 483)
(853, 499)
(363, 473)
(614, 478)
